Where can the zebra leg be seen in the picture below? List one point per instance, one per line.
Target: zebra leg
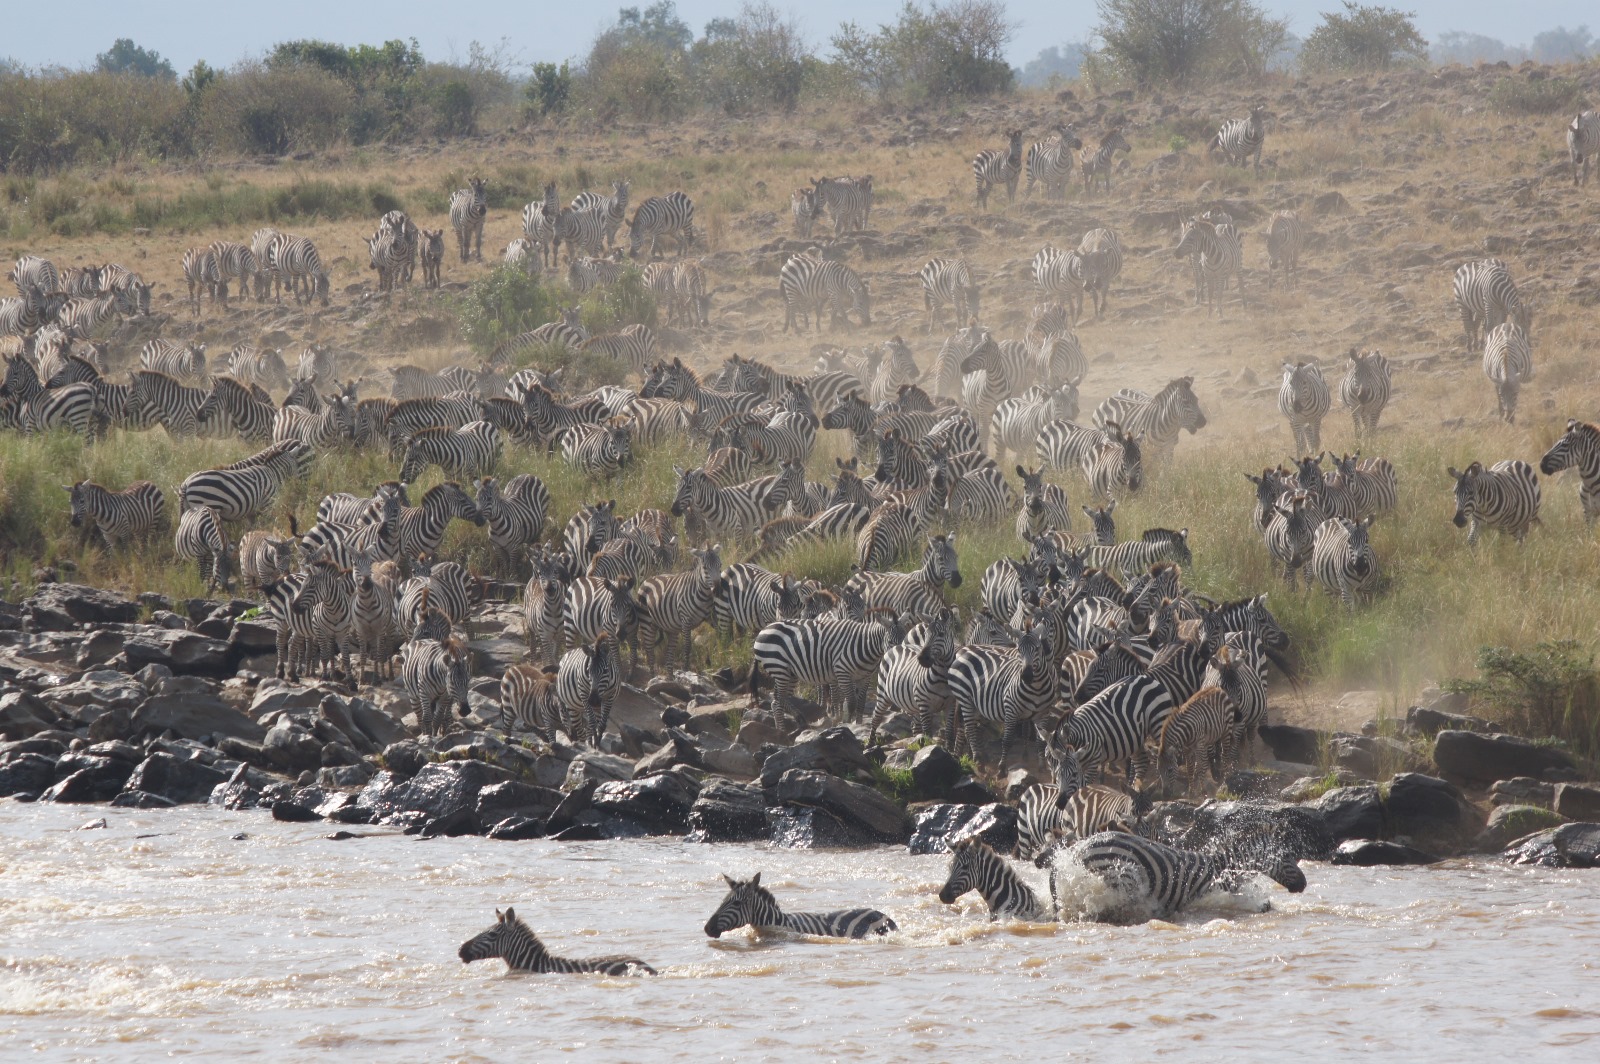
(283, 649)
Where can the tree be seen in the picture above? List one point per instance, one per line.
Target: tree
(125, 57)
(1153, 42)
(658, 25)
(758, 59)
(1457, 47)
(943, 51)
(1365, 37)
(1562, 45)
(1061, 61)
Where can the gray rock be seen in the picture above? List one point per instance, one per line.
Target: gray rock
(1299, 745)
(499, 801)
(102, 689)
(861, 807)
(1474, 760)
(65, 607)
(574, 805)
(1018, 782)
(837, 752)
(117, 751)
(23, 714)
(291, 747)
(29, 774)
(403, 759)
(1296, 831)
(293, 812)
(1351, 812)
(177, 780)
(193, 718)
(1576, 801)
(968, 791)
(517, 828)
(1523, 790)
(347, 777)
(142, 800)
(185, 653)
(1368, 853)
(798, 828)
(113, 724)
(1430, 720)
(679, 749)
(374, 723)
(755, 734)
(598, 768)
(1507, 823)
(1568, 846)
(724, 811)
(659, 804)
(442, 797)
(939, 827)
(274, 696)
(39, 744)
(935, 770)
(254, 637)
(733, 761)
(1430, 808)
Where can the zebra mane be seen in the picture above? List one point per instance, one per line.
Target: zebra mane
(1162, 535)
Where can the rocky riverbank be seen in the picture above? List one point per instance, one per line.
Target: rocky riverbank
(151, 704)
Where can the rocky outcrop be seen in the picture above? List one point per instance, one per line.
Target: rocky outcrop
(1474, 760)
(939, 827)
(861, 810)
(1568, 846)
(67, 607)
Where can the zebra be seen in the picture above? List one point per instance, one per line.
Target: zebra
(1157, 419)
(807, 283)
(1504, 496)
(634, 346)
(896, 525)
(204, 277)
(598, 450)
(82, 281)
(588, 530)
(373, 628)
(468, 207)
(168, 402)
(737, 511)
(411, 416)
(1017, 423)
(39, 409)
(422, 527)
(1049, 162)
(1116, 722)
(1114, 464)
(1067, 809)
(528, 701)
(918, 594)
(265, 558)
(1151, 879)
(36, 272)
(1095, 163)
(1578, 446)
(316, 362)
(1507, 362)
(1240, 138)
(948, 281)
(470, 451)
(1289, 533)
(847, 199)
(515, 943)
(1365, 389)
(200, 538)
(1007, 686)
(81, 316)
(594, 607)
(231, 407)
(672, 606)
(234, 259)
(1342, 558)
(186, 362)
(1304, 400)
(1218, 253)
(538, 224)
(913, 676)
(431, 251)
(515, 514)
(294, 628)
(1059, 276)
(1201, 731)
(260, 248)
(135, 513)
(294, 260)
(319, 431)
(1486, 296)
(840, 656)
(587, 681)
(988, 379)
(388, 255)
(1135, 556)
(252, 365)
(749, 597)
(406, 239)
(613, 208)
(993, 167)
(1583, 144)
(691, 301)
(329, 594)
(586, 231)
(975, 866)
(670, 215)
(1044, 506)
(750, 904)
(242, 490)
(1286, 236)
(804, 206)
(1099, 257)
(437, 675)
(544, 606)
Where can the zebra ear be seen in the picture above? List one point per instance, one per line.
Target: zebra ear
(755, 880)
(1452, 471)
(507, 917)
(732, 883)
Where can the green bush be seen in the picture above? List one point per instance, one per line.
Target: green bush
(941, 52)
(1531, 96)
(1152, 42)
(507, 302)
(550, 89)
(1552, 689)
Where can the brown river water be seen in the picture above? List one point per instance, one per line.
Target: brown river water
(287, 945)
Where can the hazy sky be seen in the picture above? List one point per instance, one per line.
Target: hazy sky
(220, 33)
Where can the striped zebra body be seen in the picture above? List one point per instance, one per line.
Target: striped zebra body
(529, 701)
(329, 595)
(670, 215)
(1289, 534)
(847, 199)
(1240, 671)
(1286, 236)
(1043, 816)
(749, 904)
(918, 595)
(994, 167)
(691, 298)
(242, 490)
(1115, 724)
(948, 281)
(1342, 559)
(234, 260)
(295, 637)
(187, 362)
(913, 677)
(1009, 687)
(598, 450)
(1200, 732)
(168, 402)
(737, 512)
(988, 379)
(251, 365)
(1158, 418)
(1368, 486)
(587, 682)
(1486, 296)
(544, 607)
(387, 255)
(201, 539)
(587, 531)
(232, 408)
(634, 346)
(437, 675)
(672, 606)
(1062, 365)
(431, 251)
(538, 225)
(1218, 252)
(839, 657)
(1504, 496)
(468, 207)
(296, 265)
(804, 207)
(1579, 447)
(470, 451)
(1365, 389)
(1095, 163)
(1049, 163)
(422, 527)
(411, 416)
(266, 278)
(414, 382)
(896, 525)
(1018, 423)
(1135, 556)
(1240, 138)
(974, 866)
(135, 513)
(1044, 506)
(82, 281)
(749, 597)
(1149, 879)
(204, 277)
(515, 515)
(319, 431)
(595, 607)
(511, 940)
(37, 409)
(613, 208)
(373, 631)
(1303, 399)
(1583, 144)
(449, 588)
(1099, 262)
(407, 240)
(1507, 362)
(585, 231)
(82, 316)
(1114, 466)
(264, 558)
(35, 272)
(808, 284)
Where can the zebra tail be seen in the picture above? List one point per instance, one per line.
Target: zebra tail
(1287, 666)
(754, 685)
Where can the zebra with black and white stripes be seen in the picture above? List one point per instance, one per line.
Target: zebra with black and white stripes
(1113, 464)
(295, 636)
(1044, 506)
(1218, 253)
(515, 943)
(187, 362)
(437, 675)
(1098, 263)
(1583, 144)
(1286, 237)
(1049, 162)
(847, 199)
(804, 206)
(135, 513)
(297, 265)
(595, 607)
(1504, 496)
(265, 558)
(994, 167)
(234, 259)
(431, 252)
(1201, 733)
(673, 605)
(1303, 399)
(1006, 686)
(204, 277)
(1507, 362)
(329, 595)
(736, 512)
(249, 365)
(32, 271)
(612, 208)
(1289, 533)
(920, 594)
(1241, 138)
(468, 208)
(1095, 163)
(832, 654)
(598, 450)
(39, 409)
(670, 215)
(1059, 277)
(1017, 423)
(468, 452)
(240, 491)
(586, 231)
(515, 514)
(691, 298)
(538, 224)
(407, 239)
(332, 425)
(200, 538)
(1579, 447)
(948, 281)
(807, 284)
(1365, 389)
(261, 247)
(975, 866)
(1067, 809)
(913, 677)
(233, 408)
(1150, 879)
(529, 701)
(634, 347)
(1157, 419)
(749, 904)
(168, 402)
(1342, 558)
(1486, 296)
(587, 682)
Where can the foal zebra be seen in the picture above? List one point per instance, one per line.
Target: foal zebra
(1365, 389)
(750, 904)
(1240, 138)
(135, 512)
(1095, 163)
(1304, 400)
(993, 166)
(468, 207)
(1504, 496)
(515, 943)
(1579, 446)
(975, 866)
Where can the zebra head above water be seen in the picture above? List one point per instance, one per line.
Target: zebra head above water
(747, 903)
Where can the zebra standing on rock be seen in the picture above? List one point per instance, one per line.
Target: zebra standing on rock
(1240, 138)
(1583, 144)
(993, 167)
(1486, 296)
(529, 702)
(974, 866)
(1286, 236)
(1504, 496)
(437, 675)
(1304, 400)
(1151, 879)
(587, 682)
(841, 656)
(673, 605)
(1095, 163)
(1507, 362)
(749, 904)
(1365, 389)
(134, 513)
(297, 266)
(468, 207)
(1579, 446)
(1006, 686)
(806, 284)
(515, 943)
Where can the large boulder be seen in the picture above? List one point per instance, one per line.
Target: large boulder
(595, 767)
(939, 827)
(88, 778)
(793, 827)
(1276, 828)
(292, 747)
(501, 801)
(935, 770)
(1351, 812)
(178, 780)
(1507, 823)
(1369, 853)
(725, 811)
(1303, 746)
(95, 692)
(185, 653)
(860, 807)
(1577, 802)
(660, 804)
(66, 607)
(441, 799)
(836, 752)
(1568, 846)
(1430, 809)
(23, 714)
(1474, 760)
(28, 774)
(194, 717)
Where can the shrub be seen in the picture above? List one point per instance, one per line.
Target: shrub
(1150, 42)
(944, 51)
(753, 62)
(1535, 96)
(1551, 689)
(276, 109)
(550, 88)
(1365, 37)
(507, 302)
(458, 110)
